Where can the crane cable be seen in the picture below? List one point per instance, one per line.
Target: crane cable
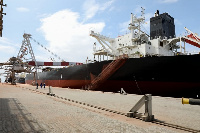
(48, 50)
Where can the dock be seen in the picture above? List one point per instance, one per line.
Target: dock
(23, 108)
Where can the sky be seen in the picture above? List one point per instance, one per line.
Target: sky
(63, 26)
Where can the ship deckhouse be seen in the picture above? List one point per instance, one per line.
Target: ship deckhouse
(136, 44)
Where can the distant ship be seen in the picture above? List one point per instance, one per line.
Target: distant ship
(137, 62)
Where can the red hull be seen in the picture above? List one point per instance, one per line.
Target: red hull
(177, 89)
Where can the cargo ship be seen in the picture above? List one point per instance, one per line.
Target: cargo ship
(137, 62)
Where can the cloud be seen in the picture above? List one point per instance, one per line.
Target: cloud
(90, 8)
(67, 37)
(23, 9)
(107, 5)
(4, 40)
(167, 1)
(124, 26)
(7, 49)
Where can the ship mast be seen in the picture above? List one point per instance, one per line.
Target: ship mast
(136, 24)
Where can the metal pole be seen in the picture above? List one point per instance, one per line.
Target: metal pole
(148, 105)
(184, 48)
(180, 45)
(107, 56)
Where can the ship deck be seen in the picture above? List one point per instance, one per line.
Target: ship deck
(26, 109)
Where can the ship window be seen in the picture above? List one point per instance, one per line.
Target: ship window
(149, 47)
(161, 44)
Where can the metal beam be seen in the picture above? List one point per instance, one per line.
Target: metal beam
(147, 116)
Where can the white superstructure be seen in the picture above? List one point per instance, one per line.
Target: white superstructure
(135, 44)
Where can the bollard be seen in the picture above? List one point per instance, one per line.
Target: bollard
(147, 116)
(190, 101)
(50, 91)
(123, 92)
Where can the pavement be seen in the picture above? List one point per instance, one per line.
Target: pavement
(25, 109)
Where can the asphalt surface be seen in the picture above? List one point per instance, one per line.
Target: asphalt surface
(24, 110)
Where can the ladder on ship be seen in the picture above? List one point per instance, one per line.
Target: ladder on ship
(106, 73)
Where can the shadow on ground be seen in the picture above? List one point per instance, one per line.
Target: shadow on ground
(15, 118)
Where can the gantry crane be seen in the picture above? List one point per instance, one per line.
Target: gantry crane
(21, 64)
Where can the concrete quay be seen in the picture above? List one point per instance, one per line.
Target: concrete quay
(25, 109)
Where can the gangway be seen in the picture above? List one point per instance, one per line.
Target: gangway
(106, 73)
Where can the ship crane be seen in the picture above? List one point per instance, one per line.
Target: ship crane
(102, 40)
(192, 38)
(17, 65)
(35, 63)
(125, 45)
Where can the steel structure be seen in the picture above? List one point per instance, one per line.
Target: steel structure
(1, 16)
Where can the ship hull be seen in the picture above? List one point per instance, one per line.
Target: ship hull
(175, 76)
